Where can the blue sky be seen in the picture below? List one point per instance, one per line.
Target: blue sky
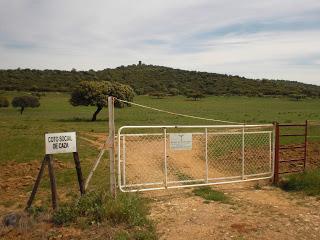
(253, 38)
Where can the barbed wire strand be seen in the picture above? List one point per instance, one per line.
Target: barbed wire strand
(178, 114)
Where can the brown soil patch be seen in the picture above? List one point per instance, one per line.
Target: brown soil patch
(16, 178)
(253, 214)
(45, 230)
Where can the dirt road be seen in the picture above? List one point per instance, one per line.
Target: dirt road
(268, 213)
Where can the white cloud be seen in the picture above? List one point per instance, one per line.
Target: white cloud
(197, 35)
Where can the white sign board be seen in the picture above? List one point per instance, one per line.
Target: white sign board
(181, 141)
(61, 142)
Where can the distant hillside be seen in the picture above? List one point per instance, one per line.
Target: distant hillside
(148, 79)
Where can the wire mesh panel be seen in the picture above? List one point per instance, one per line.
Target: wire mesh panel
(160, 157)
(186, 164)
(258, 153)
(224, 155)
(142, 160)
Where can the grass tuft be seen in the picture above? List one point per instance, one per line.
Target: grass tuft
(129, 210)
(35, 211)
(257, 186)
(209, 194)
(65, 215)
(308, 182)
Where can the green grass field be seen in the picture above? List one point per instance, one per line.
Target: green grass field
(22, 135)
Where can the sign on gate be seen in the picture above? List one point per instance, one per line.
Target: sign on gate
(181, 141)
(60, 142)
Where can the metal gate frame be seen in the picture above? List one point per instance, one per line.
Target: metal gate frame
(279, 148)
(226, 180)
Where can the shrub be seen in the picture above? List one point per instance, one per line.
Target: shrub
(297, 97)
(158, 95)
(174, 91)
(4, 102)
(36, 210)
(95, 208)
(65, 215)
(92, 206)
(127, 208)
(195, 95)
(307, 182)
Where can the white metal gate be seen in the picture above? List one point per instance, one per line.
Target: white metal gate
(161, 157)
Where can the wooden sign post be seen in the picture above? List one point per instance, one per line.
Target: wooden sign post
(57, 143)
(112, 147)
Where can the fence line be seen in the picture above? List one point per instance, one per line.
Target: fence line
(177, 114)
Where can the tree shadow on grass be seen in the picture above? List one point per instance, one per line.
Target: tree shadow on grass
(77, 119)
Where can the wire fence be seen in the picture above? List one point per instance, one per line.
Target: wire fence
(313, 148)
(182, 156)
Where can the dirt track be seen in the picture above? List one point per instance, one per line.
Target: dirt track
(253, 214)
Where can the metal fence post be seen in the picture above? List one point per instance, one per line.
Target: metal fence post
(277, 154)
(271, 152)
(124, 160)
(273, 149)
(305, 146)
(206, 154)
(165, 158)
(243, 152)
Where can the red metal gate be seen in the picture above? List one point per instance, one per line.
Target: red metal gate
(290, 156)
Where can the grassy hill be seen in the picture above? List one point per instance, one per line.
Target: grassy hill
(149, 78)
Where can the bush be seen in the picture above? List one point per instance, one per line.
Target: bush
(65, 215)
(307, 182)
(158, 95)
(36, 210)
(95, 208)
(91, 206)
(297, 97)
(195, 95)
(4, 102)
(127, 208)
(174, 91)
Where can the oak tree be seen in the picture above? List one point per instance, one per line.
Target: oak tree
(95, 93)
(23, 102)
